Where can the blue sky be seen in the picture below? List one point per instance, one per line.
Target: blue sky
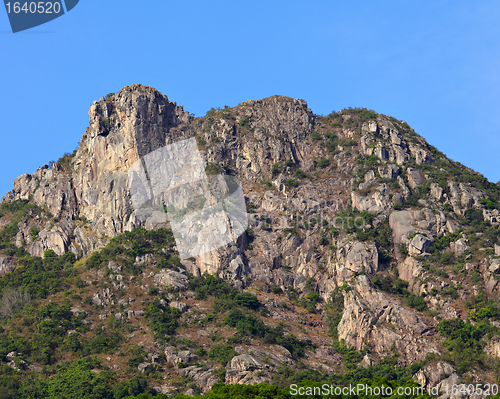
(433, 64)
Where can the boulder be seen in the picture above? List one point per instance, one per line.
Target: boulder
(181, 306)
(492, 348)
(459, 247)
(244, 363)
(142, 367)
(389, 171)
(431, 375)
(436, 191)
(169, 278)
(415, 177)
(419, 244)
(204, 379)
(404, 188)
(183, 356)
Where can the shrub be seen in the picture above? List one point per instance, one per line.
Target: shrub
(323, 163)
(212, 169)
(247, 299)
(222, 354)
(309, 302)
(276, 168)
(316, 136)
(245, 122)
(162, 319)
(34, 232)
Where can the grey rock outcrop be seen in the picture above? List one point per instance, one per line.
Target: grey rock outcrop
(415, 177)
(7, 264)
(242, 370)
(372, 317)
(169, 278)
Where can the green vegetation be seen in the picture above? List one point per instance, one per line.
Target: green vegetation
(309, 385)
(334, 309)
(162, 320)
(65, 161)
(34, 232)
(482, 308)
(222, 353)
(246, 123)
(227, 295)
(251, 326)
(212, 169)
(399, 287)
(18, 211)
(138, 242)
(316, 136)
(465, 342)
(323, 163)
(291, 168)
(276, 168)
(41, 277)
(74, 380)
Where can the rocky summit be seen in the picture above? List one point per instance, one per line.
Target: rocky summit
(368, 254)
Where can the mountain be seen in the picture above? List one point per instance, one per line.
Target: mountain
(368, 254)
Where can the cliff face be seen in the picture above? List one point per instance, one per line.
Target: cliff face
(349, 200)
(135, 122)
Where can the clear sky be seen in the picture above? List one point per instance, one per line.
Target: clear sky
(433, 64)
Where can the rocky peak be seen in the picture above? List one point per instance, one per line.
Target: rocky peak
(122, 128)
(354, 202)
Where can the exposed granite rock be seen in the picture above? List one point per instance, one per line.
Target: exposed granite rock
(181, 306)
(389, 171)
(204, 379)
(175, 357)
(459, 247)
(493, 348)
(244, 363)
(7, 264)
(244, 369)
(368, 316)
(419, 244)
(431, 375)
(169, 278)
(415, 177)
(132, 124)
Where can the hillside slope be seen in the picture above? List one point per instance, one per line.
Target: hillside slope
(368, 254)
